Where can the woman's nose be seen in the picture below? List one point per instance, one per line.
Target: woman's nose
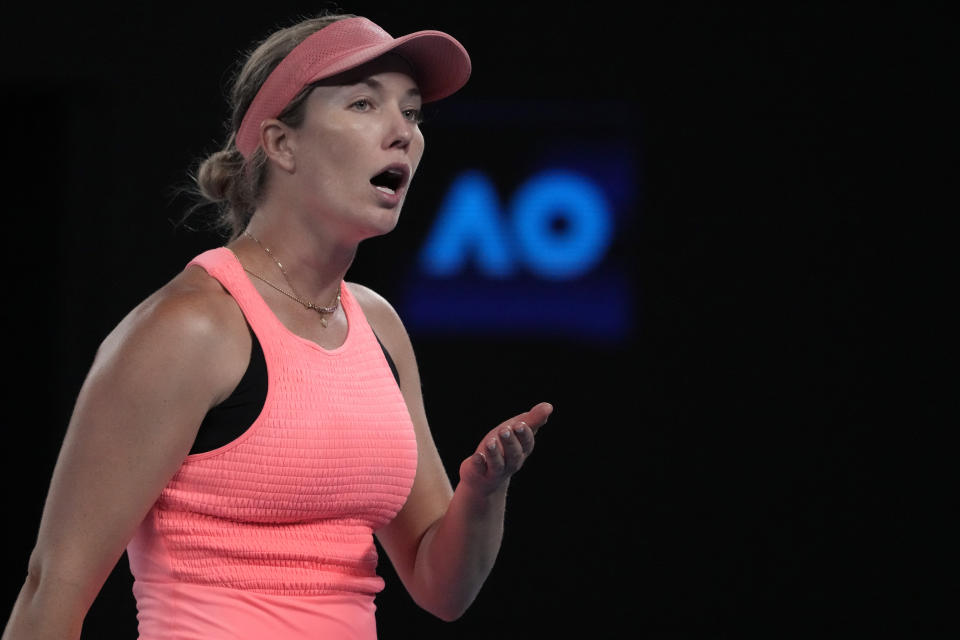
(401, 131)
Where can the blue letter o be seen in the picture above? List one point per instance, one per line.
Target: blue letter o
(567, 253)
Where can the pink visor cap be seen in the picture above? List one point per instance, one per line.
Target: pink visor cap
(441, 64)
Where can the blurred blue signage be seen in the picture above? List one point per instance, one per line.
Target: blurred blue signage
(538, 258)
(558, 226)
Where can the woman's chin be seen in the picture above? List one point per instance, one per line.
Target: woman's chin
(380, 226)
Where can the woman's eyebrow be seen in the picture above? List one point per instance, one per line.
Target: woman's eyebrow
(376, 85)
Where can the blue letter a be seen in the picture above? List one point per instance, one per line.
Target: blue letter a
(468, 223)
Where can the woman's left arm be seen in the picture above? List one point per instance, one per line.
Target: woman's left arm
(443, 543)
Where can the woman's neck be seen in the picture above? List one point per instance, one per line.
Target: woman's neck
(315, 263)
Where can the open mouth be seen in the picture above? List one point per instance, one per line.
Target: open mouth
(391, 179)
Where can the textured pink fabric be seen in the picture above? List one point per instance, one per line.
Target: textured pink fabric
(278, 524)
(440, 62)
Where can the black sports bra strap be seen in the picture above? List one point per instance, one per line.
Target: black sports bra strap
(229, 420)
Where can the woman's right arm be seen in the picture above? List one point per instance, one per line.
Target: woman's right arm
(135, 420)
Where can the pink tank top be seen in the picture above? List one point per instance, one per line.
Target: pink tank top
(271, 535)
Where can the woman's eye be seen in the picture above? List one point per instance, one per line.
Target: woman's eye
(361, 105)
(413, 115)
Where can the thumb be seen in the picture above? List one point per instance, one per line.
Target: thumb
(537, 416)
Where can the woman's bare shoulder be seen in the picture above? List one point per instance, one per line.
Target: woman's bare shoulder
(191, 321)
(372, 303)
(191, 304)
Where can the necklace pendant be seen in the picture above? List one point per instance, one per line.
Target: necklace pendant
(323, 321)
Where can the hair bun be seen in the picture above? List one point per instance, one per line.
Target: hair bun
(219, 174)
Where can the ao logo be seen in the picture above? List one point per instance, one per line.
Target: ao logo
(558, 225)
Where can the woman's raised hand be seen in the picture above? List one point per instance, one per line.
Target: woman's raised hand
(503, 450)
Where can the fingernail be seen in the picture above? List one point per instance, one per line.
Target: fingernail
(492, 445)
(505, 434)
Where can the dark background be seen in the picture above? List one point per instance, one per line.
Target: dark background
(741, 463)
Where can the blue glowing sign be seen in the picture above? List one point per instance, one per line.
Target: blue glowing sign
(559, 227)
(532, 238)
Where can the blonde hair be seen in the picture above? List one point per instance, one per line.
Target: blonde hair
(225, 178)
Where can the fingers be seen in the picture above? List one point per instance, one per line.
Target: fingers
(525, 437)
(490, 450)
(511, 448)
(535, 417)
(505, 448)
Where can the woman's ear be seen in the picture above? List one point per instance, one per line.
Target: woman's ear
(276, 141)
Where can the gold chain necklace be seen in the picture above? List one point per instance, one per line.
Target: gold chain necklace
(323, 311)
